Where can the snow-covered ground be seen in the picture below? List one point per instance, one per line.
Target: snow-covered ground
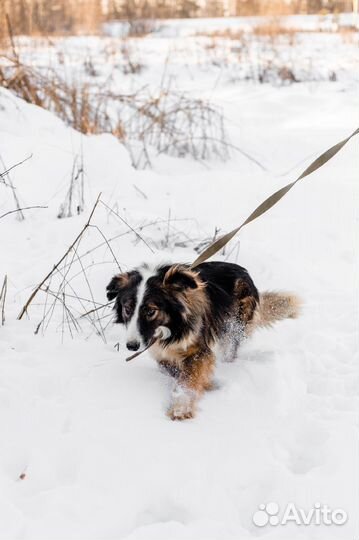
(87, 432)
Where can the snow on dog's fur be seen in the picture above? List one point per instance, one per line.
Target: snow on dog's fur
(211, 308)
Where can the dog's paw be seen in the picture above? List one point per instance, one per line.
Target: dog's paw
(180, 412)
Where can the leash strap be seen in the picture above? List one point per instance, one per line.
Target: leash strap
(272, 200)
(259, 211)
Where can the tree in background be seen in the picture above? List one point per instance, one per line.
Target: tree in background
(214, 8)
(51, 16)
(247, 7)
(187, 9)
(44, 17)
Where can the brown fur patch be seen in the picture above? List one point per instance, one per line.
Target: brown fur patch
(196, 302)
(197, 371)
(247, 308)
(194, 377)
(179, 269)
(246, 304)
(123, 280)
(175, 354)
(193, 298)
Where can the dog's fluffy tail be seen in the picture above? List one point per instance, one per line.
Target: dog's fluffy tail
(275, 306)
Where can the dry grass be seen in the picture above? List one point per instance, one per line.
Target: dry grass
(226, 33)
(71, 103)
(74, 202)
(269, 53)
(271, 28)
(349, 34)
(165, 121)
(274, 30)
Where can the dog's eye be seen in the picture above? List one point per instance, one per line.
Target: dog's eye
(127, 309)
(151, 313)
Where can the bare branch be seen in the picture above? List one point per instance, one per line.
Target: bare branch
(14, 166)
(21, 210)
(3, 299)
(78, 237)
(97, 309)
(128, 225)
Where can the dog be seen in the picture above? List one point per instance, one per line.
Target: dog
(196, 315)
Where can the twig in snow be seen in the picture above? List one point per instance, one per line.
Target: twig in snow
(10, 184)
(14, 166)
(140, 192)
(3, 299)
(97, 309)
(78, 237)
(74, 201)
(128, 225)
(21, 210)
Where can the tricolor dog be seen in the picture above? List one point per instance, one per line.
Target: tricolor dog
(200, 314)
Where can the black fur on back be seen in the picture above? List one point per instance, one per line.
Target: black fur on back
(222, 281)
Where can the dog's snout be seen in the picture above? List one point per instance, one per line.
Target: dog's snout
(133, 345)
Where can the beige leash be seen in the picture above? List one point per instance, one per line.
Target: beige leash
(272, 200)
(259, 211)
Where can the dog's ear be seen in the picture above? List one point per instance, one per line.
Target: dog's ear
(181, 278)
(119, 283)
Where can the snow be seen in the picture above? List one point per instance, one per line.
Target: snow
(88, 430)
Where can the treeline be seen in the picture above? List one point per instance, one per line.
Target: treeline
(44, 17)
(50, 16)
(162, 9)
(290, 7)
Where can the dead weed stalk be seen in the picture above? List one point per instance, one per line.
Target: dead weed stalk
(164, 121)
(3, 300)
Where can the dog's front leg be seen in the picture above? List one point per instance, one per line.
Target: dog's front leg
(183, 401)
(193, 379)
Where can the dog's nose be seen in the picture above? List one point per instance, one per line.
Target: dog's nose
(133, 345)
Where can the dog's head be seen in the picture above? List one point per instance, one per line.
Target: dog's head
(169, 298)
